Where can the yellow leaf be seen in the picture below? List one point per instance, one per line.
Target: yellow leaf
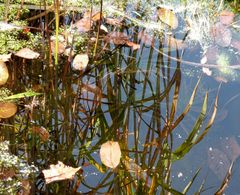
(168, 17)
(7, 109)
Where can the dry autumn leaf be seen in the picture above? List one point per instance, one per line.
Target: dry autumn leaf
(110, 154)
(133, 45)
(27, 53)
(42, 132)
(3, 73)
(61, 47)
(7, 109)
(80, 61)
(168, 17)
(118, 38)
(59, 172)
(114, 21)
(83, 25)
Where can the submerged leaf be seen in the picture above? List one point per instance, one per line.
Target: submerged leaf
(42, 132)
(218, 162)
(145, 38)
(226, 17)
(80, 61)
(222, 35)
(173, 43)
(7, 109)
(110, 154)
(27, 54)
(117, 38)
(3, 73)
(133, 45)
(59, 172)
(168, 17)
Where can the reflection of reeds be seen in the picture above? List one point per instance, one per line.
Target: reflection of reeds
(114, 99)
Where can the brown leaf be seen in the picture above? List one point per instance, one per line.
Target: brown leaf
(226, 17)
(27, 54)
(80, 61)
(110, 154)
(114, 21)
(231, 148)
(96, 16)
(3, 73)
(211, 54)
(168, 17)
(42, 132)
(59, 172)
(133, 45)
(145, 38)
(7, 109)
(173, 43)
(61, 47)
(83, 25)
(6, 173)
(221, 34)
(117, 38)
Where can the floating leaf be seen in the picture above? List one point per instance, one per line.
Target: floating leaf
(7, 109)
(5, 57)
(42, 132)
(59, 172)
(80, 61)
(211, 54)
(226, 17)
(168, 17)
(110, 154)
(3, 73)
(207, 71)
(221, 34)
(27, 54)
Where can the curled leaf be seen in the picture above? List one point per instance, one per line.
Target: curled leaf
(59, 172)
(110, 154)
(7, 109)
(27, 54)
(3, 73)
(80, 61)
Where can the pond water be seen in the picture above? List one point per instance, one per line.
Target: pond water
(155, 77)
